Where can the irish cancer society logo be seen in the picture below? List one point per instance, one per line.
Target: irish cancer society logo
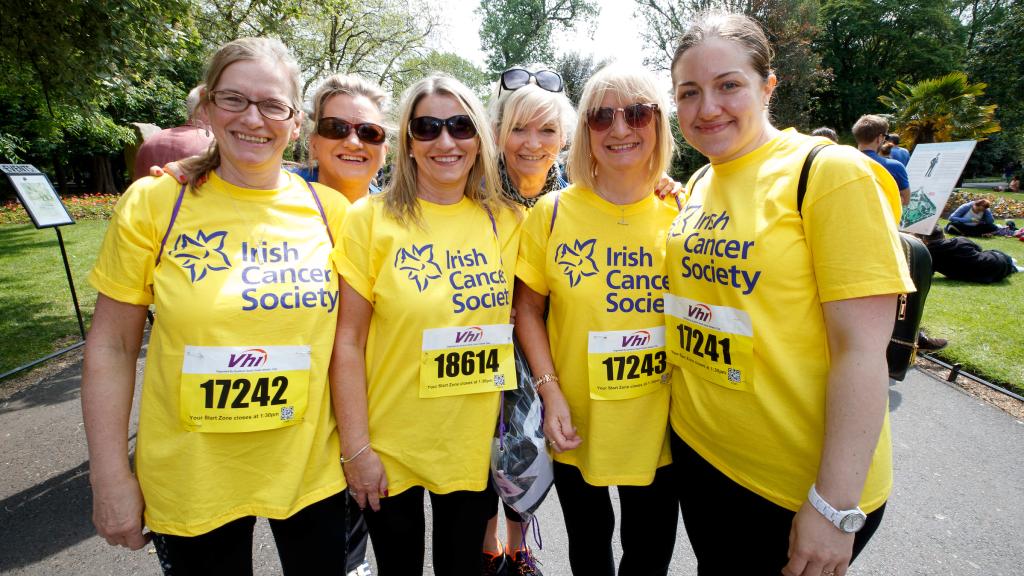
(577, 261)
(201, 253)
(419, 263)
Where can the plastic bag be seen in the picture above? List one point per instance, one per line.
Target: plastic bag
(520, 463)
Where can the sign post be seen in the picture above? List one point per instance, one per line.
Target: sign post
(44, 207)
(934, 170)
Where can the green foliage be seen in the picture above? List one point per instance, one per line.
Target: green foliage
(789, 24)
(940, 110)
(575, 69)
(517, 32)
(995, 59)
(444, 62)
(868, 45)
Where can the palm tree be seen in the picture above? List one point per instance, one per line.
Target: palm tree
(940, 110)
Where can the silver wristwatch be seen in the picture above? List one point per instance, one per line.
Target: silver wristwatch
(848, 521)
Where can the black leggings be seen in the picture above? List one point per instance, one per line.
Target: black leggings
(398, 529)
(311, 541)
(733, 530)
(648, 526)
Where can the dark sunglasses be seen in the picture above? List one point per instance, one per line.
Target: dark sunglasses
(427, 128)
(337, 129)
(635, 115)
(516, 78)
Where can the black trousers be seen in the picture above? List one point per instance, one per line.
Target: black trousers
(311, 541)
(648, 525)
(733, 530)
(979, 229)
(398, 530)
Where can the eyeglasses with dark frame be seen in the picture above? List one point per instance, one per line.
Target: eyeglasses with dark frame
(636, 116)
(337, 129)
(427, 128)
(271, 108)
(516, 78)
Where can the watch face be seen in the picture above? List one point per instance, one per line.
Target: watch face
(852, 522)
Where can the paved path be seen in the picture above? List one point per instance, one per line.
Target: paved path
(957, 508)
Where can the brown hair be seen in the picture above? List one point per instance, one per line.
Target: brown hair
(868, 127)
(738, 28)
(274, 51)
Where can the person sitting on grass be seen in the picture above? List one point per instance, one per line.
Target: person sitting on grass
(972, 219)
(962, 259)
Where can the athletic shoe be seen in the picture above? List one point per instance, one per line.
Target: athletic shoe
(524, 564)
(495, 564)
(362, 570)
(926, 344)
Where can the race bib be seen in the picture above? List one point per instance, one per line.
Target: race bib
(715, 342)
(244, 389)
(467, 360)
(624, 364)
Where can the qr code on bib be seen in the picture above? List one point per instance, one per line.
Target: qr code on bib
(287, 413)
(734, 376)
(499, 380)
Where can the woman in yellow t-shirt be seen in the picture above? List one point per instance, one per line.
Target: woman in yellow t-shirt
(594, 253)
(532, 119)
(235, 418)
(425, 343)
(776, 323)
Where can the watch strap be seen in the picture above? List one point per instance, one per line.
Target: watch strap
(828, 511)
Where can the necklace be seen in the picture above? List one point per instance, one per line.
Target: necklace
(622, 210)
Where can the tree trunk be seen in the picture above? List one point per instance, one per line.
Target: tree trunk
(62, 175)
(103, 176)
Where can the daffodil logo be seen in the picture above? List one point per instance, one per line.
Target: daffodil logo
(419, 263)
(201, 254)
(576, 261)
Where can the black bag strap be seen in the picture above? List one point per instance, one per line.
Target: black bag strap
(801, 187)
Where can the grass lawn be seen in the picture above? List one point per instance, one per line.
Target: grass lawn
(37, 315)
(982, 322)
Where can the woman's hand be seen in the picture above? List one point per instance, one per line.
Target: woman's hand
(558, 428)
(667, 187)
(816, 546)
(366, 479)
(171, 168)
(117, 507)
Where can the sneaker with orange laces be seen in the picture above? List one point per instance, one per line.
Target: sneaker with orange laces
(524, 564)
(495, 564)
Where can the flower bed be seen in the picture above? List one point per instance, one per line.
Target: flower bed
(1002, 206)
(81, 207)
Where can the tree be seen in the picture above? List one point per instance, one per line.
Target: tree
(869, 45)
(941, 110)
(64, 63)
(449, 63)
(789, 25)
(517, 32)
(995, 60)
(576, 69)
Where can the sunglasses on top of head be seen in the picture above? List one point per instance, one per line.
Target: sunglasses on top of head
(635, 115)
(516, 78)
(427, 128)
(337, 129)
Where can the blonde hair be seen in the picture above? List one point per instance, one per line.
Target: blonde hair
(631, 84)
(352, 85)
(270, 49)
(511, 108)
(483, 184)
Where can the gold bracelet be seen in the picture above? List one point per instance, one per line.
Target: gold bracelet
(354, 456)
(542, 380)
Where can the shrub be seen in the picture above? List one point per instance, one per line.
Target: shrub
(81, 207)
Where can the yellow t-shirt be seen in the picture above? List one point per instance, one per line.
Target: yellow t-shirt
(602, 268)
(244, 279)
(454, 271)
(748, 276)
